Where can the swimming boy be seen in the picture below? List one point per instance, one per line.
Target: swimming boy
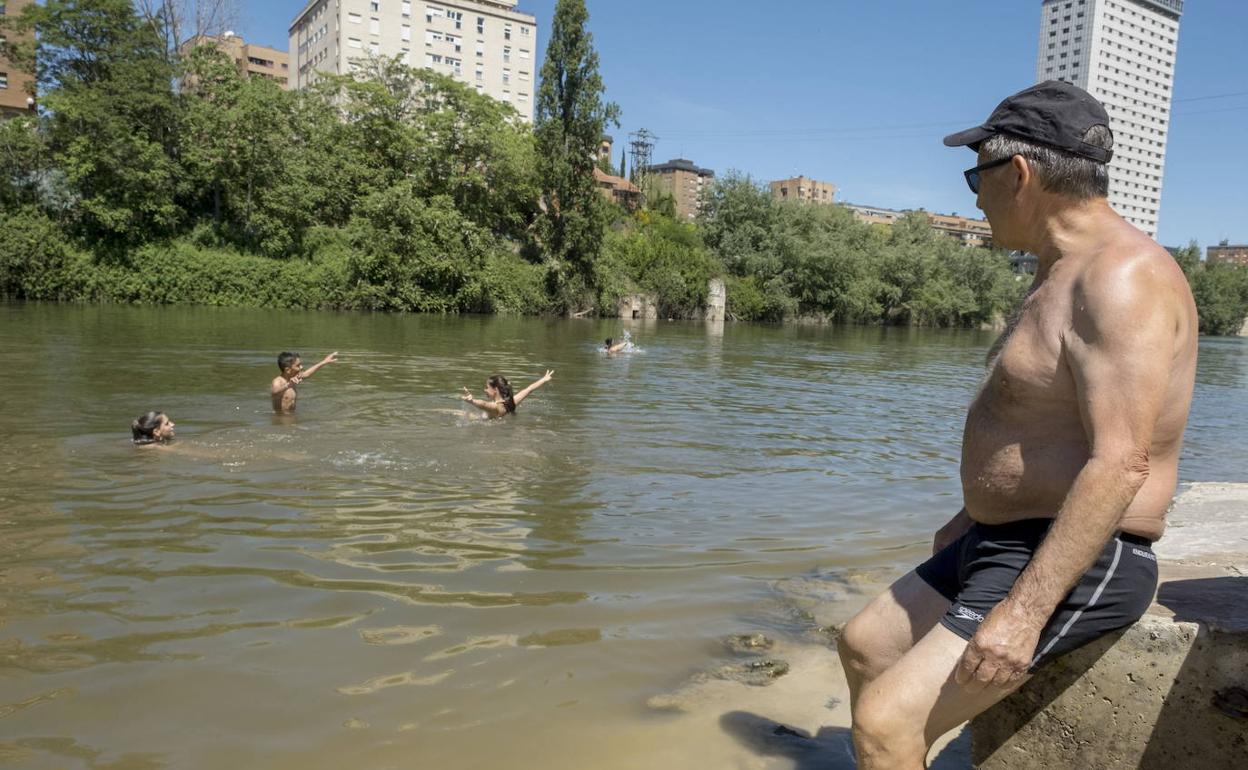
(614, 347)
(283, 390)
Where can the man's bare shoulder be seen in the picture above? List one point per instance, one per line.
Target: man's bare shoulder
(1134, 273)
(1134, 288)
(279, 383)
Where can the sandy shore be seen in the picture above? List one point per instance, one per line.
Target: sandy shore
(800, 719)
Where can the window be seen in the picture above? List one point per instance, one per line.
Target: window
(432, 37)
(506, 77)
(354, 42)
(406, 8)
(480, 49)
(524, 54)
(432, 59)
(455, 41)
(405, 33)
(506, 53)
(480, 25)
(524, 31)
(430, 12)
(375, 5)
(480, 74)
(374, 48)
(4, 76)
(407, 57)
(354, 18)
(374, 26)
(506, 32)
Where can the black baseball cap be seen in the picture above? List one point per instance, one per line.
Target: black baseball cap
(1053, 113)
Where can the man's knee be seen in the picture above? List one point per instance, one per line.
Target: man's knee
(882, 733)
(860, 647)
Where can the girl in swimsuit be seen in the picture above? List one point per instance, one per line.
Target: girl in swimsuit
(499, 399)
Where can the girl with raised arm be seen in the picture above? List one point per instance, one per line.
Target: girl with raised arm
(500, 400)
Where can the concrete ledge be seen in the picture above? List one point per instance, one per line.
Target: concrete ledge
(1144, 697)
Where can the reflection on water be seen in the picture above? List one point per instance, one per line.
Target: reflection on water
(384, 580)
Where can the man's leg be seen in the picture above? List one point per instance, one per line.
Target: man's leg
(901, 712)
(886, 629)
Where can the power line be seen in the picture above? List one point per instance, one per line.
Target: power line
(1212, 96)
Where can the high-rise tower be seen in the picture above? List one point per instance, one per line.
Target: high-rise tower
(1122, 52)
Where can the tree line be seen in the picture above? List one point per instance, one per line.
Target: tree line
(153, 174)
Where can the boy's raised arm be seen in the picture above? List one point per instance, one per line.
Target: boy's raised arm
(329, 359)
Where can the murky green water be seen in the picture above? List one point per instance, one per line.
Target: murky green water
(383, 581)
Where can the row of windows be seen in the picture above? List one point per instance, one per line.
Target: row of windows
(1159, 101)
(1161, 81)
(1151, 21)
(1139, 42)
(1162, 85)
(457, 17)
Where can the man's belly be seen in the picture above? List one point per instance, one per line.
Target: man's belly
(1014, 475)
(1011, 478)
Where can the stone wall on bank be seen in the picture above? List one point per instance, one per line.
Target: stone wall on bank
(1163, 693)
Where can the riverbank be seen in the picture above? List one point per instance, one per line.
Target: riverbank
(803, 715)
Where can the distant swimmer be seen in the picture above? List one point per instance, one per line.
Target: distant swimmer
(615, 347)
(152, 429)
(283, 390)
(499, 399)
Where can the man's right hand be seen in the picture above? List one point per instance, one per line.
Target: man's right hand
(956, 528)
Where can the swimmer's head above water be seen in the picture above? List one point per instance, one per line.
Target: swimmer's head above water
(610, 342)
(290, 364)
(152, 428)
(497, 388)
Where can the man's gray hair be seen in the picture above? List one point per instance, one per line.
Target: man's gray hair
(1059, 172)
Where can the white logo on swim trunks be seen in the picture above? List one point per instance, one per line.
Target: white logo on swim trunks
(1145, 554)
(967, 614)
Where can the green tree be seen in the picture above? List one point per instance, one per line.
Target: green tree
(571, 119)
(107, 82)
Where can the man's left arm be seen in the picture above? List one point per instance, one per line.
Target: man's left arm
(1119, 349)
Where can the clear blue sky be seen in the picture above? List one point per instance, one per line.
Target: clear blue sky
(861, 93)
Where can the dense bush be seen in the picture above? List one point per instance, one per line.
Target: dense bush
(787, 259)
(656, 255)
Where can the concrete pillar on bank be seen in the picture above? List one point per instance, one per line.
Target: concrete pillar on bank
(716, 299)
(641, 306)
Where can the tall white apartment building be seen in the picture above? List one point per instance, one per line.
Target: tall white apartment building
(1122, 52)
(485, 43)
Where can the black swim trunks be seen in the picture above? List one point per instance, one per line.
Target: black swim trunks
(977, 571)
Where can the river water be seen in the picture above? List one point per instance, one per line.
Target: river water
(384, 580)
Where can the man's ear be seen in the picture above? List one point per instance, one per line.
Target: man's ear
(1024, 174)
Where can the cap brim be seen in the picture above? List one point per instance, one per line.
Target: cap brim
(971, 137)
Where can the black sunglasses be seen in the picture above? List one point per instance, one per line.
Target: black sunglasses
(972, 174)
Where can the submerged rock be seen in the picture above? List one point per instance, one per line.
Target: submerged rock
(756, 673)
(748, 644)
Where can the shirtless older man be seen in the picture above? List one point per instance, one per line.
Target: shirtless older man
(1070, 452)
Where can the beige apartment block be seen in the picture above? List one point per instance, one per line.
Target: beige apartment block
(487, 43)
(804, 190)
(16, 86)
(682, 180)
(874, 215)
(1227, 252)
(252, 60)
(970, 232)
